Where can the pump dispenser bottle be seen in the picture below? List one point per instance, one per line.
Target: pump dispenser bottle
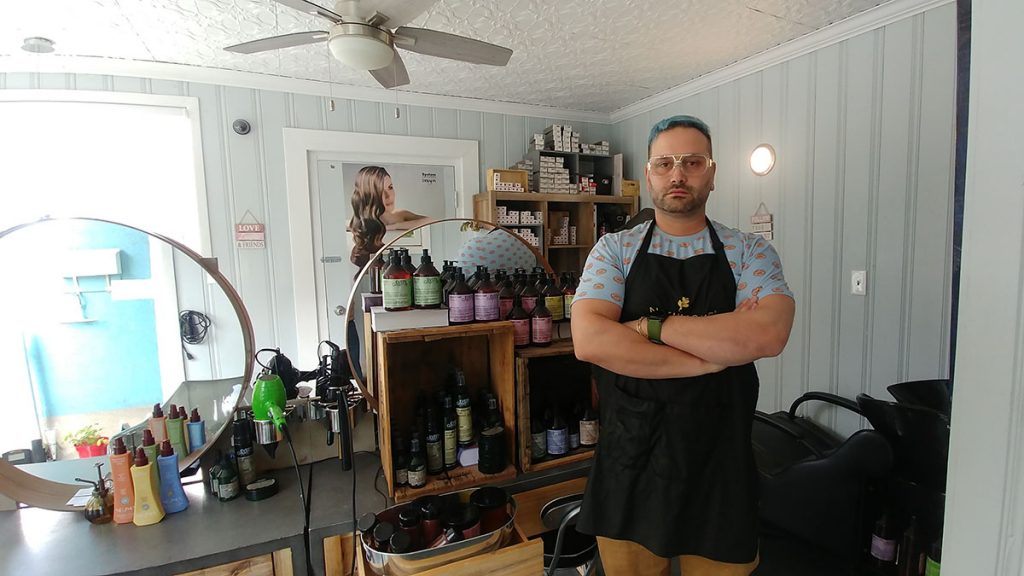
(196, 431)
(175, 431)
(148, 509)
(172, 496)
(149, 445)
(124, 492)
(158, 423)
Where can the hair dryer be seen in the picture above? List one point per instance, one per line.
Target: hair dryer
(268, 401)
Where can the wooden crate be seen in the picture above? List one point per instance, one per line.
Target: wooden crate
(521, 177)
(411, 361)
(524, 359)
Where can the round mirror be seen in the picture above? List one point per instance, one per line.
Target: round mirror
(464, 243)
(103, 321)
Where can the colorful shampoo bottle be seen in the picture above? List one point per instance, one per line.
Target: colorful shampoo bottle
(148, 509)
(158, 424)
(149, 445)
(196, 432)
(172, 496)
(175, 431)
(124, 491)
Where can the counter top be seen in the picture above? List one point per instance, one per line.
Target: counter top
(210, 532)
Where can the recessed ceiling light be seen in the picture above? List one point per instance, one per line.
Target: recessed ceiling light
(38, 45)
(762, 159)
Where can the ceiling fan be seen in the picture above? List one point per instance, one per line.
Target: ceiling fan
(364, 37)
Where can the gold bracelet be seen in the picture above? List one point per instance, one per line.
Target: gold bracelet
(641, 332)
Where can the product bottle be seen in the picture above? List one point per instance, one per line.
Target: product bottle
(374, 273)
(241, 441)
(175, 431)
(183, 416)
(453, 277)
(911, 556)
(124, 492)
(409, 523)
(227, 481)
(473, 280)
(450, 440)
(400, 460)
(196, 431)
(589, 427)
(158, 425)
(540, 325)
(426, 284)
(407, 261)
(568, 294)
(554, 300)
(574, 426)
(149, 445)
(537, 278)
(492, 416)
(506, 298)
(485, 300)
(148, 509)
(520, 323)
(460, 301)
(463, 409)
(557, 434)
(530, 295)
(883, 543)
(417, 464)
(435, 446)
(538, 440)
(172, 496)
(396, 284)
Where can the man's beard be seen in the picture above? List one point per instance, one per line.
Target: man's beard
(692, 202)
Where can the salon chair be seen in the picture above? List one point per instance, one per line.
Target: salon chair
(566, 551)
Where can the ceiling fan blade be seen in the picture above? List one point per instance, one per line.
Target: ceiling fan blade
(277, 42)
(444, 45)
(311, 8)
(393, 74)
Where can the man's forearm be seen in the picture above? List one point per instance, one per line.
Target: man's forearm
(733, 338)
(618, 348)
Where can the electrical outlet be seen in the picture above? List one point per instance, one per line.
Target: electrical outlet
(858, 282)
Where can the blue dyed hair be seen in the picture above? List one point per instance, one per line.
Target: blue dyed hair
(681, 121)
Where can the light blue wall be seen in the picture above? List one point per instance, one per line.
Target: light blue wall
(863, 132)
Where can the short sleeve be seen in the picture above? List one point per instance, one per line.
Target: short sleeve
(603, 277)
(761, 271)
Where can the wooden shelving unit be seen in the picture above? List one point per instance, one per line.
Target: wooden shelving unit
(525, 360)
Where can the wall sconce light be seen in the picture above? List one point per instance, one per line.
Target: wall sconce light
(762, 159)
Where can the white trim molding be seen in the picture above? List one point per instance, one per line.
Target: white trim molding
(882, 15)
(299, 147)
(186, 73)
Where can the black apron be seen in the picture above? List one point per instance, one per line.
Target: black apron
(674, 468)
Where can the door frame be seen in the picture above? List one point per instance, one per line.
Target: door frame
(300, 147)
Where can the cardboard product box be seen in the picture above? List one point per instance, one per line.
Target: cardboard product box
(630, 187)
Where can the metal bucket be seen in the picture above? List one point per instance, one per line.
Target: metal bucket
(382, 563)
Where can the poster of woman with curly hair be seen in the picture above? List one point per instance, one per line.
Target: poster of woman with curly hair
(375, 209)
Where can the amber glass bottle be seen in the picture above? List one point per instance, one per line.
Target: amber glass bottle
(426, 284)
(396, 284)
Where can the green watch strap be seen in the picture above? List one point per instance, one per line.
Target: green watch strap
(654, 330)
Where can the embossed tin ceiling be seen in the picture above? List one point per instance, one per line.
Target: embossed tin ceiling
(595, 55)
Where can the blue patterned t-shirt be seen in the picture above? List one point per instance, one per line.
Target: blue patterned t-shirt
(754, 262)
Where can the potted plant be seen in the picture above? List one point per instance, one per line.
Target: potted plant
(88, 440)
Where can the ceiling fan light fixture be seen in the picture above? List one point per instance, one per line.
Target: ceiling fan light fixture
(38, 45)
(361, 46)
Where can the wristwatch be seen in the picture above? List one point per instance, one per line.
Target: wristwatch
(654, 327)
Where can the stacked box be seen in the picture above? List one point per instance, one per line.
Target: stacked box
(559, 137)
(499, 186)
(527, 217)
(552, 177)
(560, 234)
(528, 235)
(574, 142)
(601, 148)
(537, 143)
(572, 235)
(586, 185)
(524, 164)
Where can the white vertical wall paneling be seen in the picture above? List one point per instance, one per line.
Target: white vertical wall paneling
(773, 96)
(825, 257)
(515, 140)
(446, 123)
(492, 145)
(984, 508)
(398, 126)
(794, 170)
(366, 117)
(886, 275)
(855, 187)
(421, 121)
(928, 357)
(725, 134)
(341, 118)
